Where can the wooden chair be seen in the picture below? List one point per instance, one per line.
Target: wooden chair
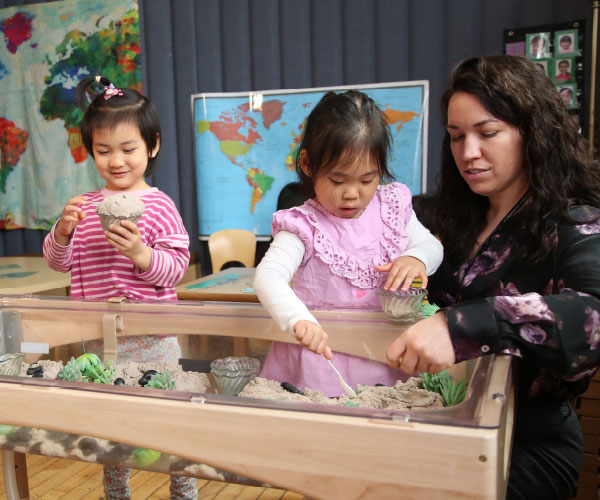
(231, 245)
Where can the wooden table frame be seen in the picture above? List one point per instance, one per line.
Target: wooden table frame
(325, 455)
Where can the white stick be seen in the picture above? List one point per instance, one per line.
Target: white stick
(346, 387)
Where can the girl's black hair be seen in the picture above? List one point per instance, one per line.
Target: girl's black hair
(556, 157)
(343, 126)
(128, 106)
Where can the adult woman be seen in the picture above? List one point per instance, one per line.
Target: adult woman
(517, 213)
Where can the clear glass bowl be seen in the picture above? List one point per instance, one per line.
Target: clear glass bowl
(10, 364)
(402, 307)
(232, 374)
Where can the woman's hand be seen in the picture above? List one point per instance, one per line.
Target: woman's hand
(313, 337)
(70, 217)
(402, 272)
(127, 240)
(424, 347)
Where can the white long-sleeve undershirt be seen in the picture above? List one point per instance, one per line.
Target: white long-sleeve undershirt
(284, 256)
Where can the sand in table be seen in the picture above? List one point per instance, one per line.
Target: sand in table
(131, 372)
(407, 395)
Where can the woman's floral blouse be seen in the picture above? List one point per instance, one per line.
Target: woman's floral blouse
(548, 314)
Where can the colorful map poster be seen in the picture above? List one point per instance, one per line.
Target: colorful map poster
(246, 146)
(45, 49)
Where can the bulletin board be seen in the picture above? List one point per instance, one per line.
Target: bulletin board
(558, 49)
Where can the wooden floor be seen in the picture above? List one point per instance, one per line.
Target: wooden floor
(55, 478)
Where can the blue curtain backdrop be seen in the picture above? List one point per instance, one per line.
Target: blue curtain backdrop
(192, 46)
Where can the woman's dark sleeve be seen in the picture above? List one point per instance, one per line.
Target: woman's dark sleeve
(560, 332)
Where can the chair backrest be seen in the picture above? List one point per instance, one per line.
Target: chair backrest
(291, 195)
(231, 244)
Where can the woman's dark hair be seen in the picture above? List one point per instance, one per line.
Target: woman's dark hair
(124, 106)
(343, 126)
(556, 156)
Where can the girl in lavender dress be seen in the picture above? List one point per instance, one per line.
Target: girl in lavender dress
(353, 236)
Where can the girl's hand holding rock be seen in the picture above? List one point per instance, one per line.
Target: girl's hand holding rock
(127, 240)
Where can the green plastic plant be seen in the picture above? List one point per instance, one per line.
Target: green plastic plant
(431, 381)
(161, 381)
(87, 368)
(6, 429)
(70, 371)
(442, 383)
(428, 310)
(143, 457)
(452, 392)
(88, 361)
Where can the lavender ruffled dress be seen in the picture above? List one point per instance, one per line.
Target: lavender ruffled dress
(337, 272)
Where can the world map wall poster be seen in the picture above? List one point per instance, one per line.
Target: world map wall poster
(45, 50)
(246, 146)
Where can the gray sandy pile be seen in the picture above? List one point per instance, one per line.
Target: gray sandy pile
(404, 395)
(122, 206)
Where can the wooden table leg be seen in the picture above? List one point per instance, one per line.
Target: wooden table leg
(21, 473)
(8, 474)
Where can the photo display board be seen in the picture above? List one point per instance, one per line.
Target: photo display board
(558, 50)
(245, 147)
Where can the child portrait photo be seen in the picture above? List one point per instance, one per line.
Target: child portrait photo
(538, 45)
(563, 69)
(568, 94)
(565, 42)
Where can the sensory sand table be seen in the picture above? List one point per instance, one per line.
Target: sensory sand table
(322, 450)
(131, 374)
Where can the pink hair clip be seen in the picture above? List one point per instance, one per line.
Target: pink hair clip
(111, 91)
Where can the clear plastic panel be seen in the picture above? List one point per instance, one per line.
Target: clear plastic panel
(207, 331)
(215, 330)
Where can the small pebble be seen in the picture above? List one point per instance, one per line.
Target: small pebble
(146, 377)
(291, 388)
(35, 371)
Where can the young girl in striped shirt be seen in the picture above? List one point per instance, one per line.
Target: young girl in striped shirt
(121, 130)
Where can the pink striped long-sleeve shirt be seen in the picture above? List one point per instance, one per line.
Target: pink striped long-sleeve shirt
(99, 271)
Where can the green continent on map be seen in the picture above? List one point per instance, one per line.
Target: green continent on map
(233, 149)
(232, 143)
(290, 159)
(13, 142)
(116, 50)
(260, 184)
